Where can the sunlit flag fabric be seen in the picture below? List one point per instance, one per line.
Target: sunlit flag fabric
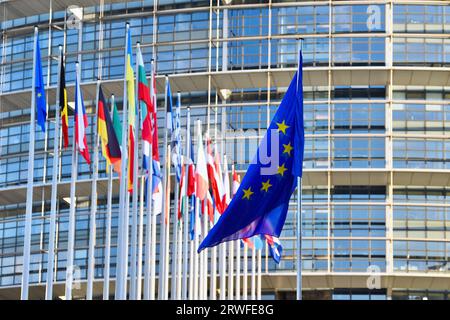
(81, 123)
(63, 104)
(275, 248)
(131, 112)
(157, 177)
(176, 138)
(146, 107)
(261, 203)
(110, 142)
(39, 90)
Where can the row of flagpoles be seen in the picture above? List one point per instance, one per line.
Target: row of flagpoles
(202, 192)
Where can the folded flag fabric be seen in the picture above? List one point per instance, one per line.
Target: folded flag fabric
(260, 205)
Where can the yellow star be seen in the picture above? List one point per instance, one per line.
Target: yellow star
(287, 148)
(281, 170)
(39, 95)
(266, 185)
(282, 127)
(247, 193)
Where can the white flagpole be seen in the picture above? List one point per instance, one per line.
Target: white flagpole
(205, 253)
(149, 263)
(92, 224)
(106, 270)
(258, 282)
(150, 245)
(167, 243)
(196, 254)
(213, 282)
(299, 209)
(165, 198)
(253, 276)
(186, 210)
(134, 215)
(230, 270)
(179, 259)
(140, 241)
(71, 231)
(238, 270)
(30, 178)
(52, 230)
(245, 276)
(174, 281)
(122, 258)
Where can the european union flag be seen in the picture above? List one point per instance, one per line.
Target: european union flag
(39, 90)
(261, 203)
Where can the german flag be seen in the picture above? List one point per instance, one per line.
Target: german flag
(110, 143)
(63, 103)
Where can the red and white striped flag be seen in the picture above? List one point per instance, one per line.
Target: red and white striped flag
(201, 173)
(215, 178)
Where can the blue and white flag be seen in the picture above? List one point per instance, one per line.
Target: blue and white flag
(176, 138)
(39, 88)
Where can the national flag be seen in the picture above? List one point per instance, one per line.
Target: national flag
(226, 182)
(215, 177)
(129, 76)
(146, 106)
(176, 137)
(81, 121)
(63, 103)
(157, 177)
(275, 247)
(39, 88)
(109, 140)
(201, 173)
(236, 181)
(262, 201)
(116, 122)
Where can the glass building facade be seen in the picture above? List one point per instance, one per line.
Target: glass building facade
(377, 152)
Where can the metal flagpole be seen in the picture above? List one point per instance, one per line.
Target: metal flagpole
(92, 224)
(151, 216)
(134, 212)
(244, 279)
(52, 230)
(253, 276)
(299, 213)
(174, 282)
(106, 271)
(140, 241)
(238, 269)
(30, 178)
(122, 259)
(258, 282)
(71, 231)
(204, 275)
(196, 254)
(186, 210)
(179, 259)
(299, 238)
(149, 264)
(167, 240)
(165, 198)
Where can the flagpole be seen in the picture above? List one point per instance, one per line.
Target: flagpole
(258, 282)
(167, 227)
(92, 224)
(162, 256)
(238, 270)
(52, 229)
(30, 178)
(149, 264)
(106, 272)
(140, 241)
(71, 231)
(122, 259)
(186, 209)
(196, 254)
(299, 238)
(299, 210)
(134, 214)
(244, 279)
(151, 215)
(205, 252)
(253, 276)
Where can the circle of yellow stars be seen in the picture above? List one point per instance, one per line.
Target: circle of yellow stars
(287, 149)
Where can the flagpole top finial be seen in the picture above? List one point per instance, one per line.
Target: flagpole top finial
(138, 43)
(152, 60)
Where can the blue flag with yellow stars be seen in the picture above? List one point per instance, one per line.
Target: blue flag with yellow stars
(262, 200)
(39, 89)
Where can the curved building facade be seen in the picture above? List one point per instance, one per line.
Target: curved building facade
(376, 212)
